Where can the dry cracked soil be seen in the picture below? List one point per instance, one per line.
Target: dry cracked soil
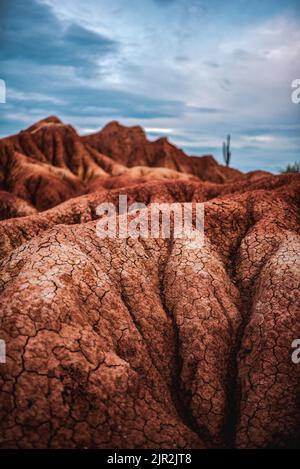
(144, 343)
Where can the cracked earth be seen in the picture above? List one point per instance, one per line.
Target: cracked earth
(145, 343)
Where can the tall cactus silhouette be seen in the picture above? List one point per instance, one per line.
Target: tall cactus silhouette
(226, 151)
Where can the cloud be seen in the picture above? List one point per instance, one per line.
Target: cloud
(2, 92)
(212, 64)
(205, 110)
(158, 130)
(181, 58)
(164, 2)
(32, 97)
(32, 33)
(181, 67)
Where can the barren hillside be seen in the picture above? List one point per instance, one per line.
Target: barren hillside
(144, 343)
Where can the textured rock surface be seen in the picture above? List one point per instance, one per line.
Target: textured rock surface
(147, 343)
(12, 206)
(49, 162)
(130, 145)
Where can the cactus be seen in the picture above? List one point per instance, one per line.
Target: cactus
(226, 151)
(292, 168)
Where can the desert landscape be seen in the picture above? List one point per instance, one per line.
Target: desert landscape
(143, 343)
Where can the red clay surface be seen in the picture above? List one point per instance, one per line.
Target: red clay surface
(144, 343)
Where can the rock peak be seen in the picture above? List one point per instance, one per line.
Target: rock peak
(48, 120)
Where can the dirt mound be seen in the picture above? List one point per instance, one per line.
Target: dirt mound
(13, 207)
(83, 209)
(146, 343)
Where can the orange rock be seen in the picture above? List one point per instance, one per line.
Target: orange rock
(144, 343)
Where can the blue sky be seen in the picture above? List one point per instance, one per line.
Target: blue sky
(193, 70)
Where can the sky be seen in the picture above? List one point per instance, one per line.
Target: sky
(191, 70)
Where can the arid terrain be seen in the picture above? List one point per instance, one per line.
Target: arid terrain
(144, 343)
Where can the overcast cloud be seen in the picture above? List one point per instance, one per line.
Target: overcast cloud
(192, 70)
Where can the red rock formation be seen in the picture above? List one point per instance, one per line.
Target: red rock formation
(130, 146)
(146, 343)
(49, 163)
(12, 207)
